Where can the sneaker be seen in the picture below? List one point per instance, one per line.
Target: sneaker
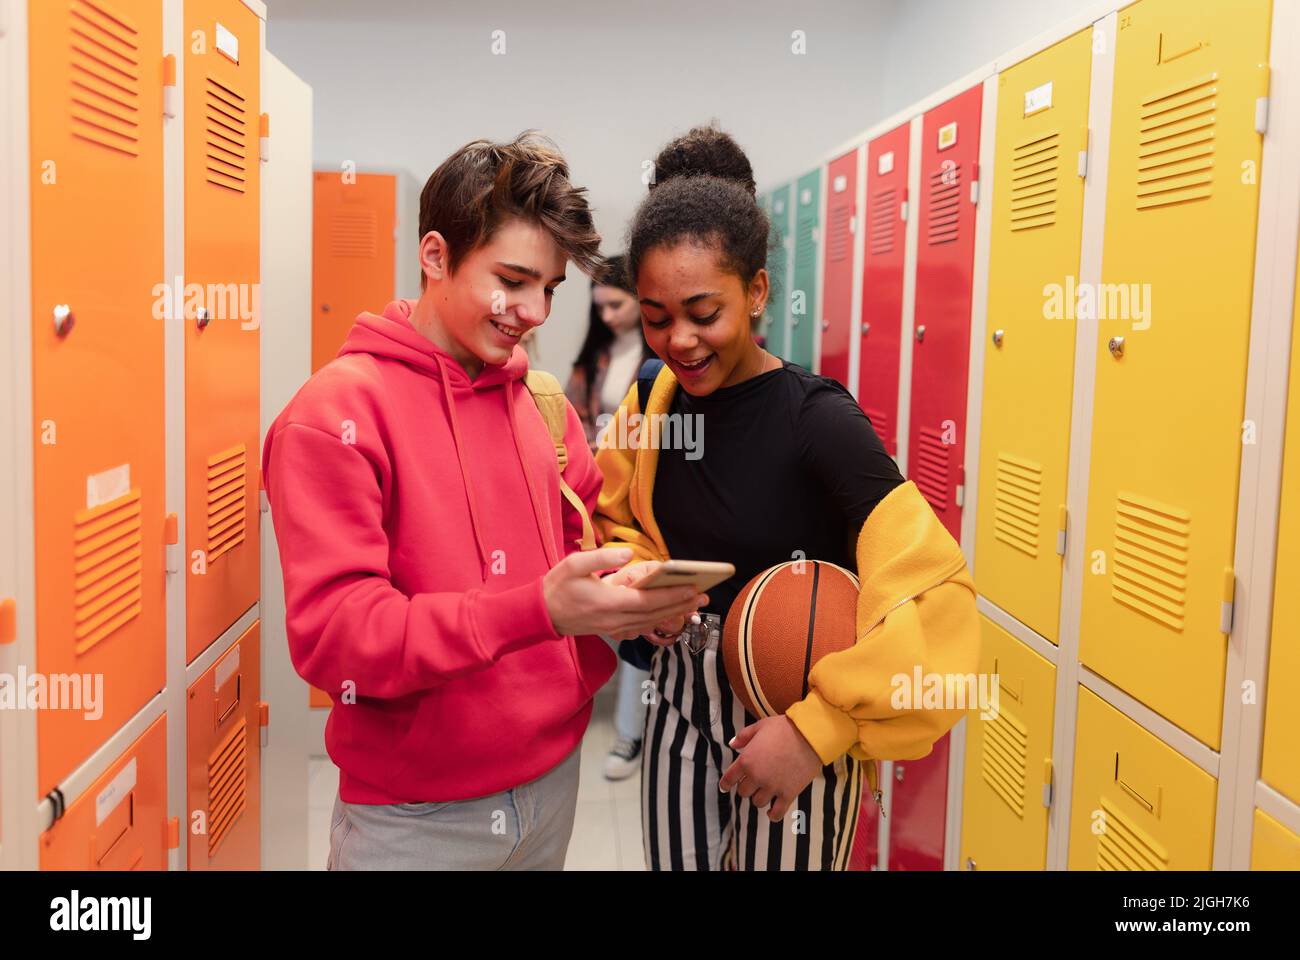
(624, 759)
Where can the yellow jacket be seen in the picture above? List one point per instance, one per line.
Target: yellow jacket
(916, 607)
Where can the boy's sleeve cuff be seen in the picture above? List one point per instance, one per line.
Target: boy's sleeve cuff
(512, 618)
(828, 730)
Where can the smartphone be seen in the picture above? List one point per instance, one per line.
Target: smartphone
(699, 574)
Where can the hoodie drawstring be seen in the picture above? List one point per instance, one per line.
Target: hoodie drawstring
(448, 392)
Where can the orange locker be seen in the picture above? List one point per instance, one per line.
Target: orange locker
(353, 254)
(97, 363)
(224, 760)
(222, 252)
(120, 823)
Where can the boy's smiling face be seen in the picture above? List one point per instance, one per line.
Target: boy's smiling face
(498, 292)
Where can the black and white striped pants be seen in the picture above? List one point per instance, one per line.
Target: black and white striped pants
(687, 823)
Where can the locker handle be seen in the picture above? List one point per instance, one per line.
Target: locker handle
(998, 336)
(1116, 347)
(8, 620)
(239, 681)
(1152, 807)
(171, 529)
(920, 333)
(64, 320)
(172, 837)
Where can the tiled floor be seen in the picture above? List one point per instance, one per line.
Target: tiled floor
(606, 831)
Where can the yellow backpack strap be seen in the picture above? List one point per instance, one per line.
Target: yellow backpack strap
(549, 397)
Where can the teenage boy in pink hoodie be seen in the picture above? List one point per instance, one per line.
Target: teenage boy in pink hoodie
(432, 580)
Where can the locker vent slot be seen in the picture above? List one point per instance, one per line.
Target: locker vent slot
(1017, 503)
(105, 77)
(227, 491)
(107, 569)
(805, 256)
(879, 422)
(354, 234)
(944, 213)
(1034, 176)
(884, 221)
(839, 237)
(931, 468)
(1149, 568)
(227, 137)
(227, 785)
(1003, 759)
(1176, 145)
(1124, 846)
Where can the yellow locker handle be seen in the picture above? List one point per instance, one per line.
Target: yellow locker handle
(1152, 806)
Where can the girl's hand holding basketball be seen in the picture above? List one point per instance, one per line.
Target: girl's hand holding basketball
(774, 766)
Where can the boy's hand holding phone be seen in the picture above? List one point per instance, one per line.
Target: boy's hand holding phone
(580, 603)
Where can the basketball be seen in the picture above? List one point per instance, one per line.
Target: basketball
(784, 621)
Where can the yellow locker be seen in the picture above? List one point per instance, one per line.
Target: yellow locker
(97, 365)
(1138, 804)
(1174, 323)
(222, 257)
(1008, 759)
(1029, 361)
(1280, 767)
(1274, 846)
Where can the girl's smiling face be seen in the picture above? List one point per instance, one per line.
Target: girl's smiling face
(698, 317)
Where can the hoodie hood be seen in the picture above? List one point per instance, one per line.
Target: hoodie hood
(392, 335)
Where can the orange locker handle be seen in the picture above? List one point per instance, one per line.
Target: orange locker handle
(264, 720)
(8, 620)
(172, 835)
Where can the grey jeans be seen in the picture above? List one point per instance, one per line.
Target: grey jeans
(524, 828)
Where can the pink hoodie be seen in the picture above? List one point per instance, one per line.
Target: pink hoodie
(416, 513)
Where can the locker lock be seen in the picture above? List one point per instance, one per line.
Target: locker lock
(826, 324)
(202, 318)
(866, 329)
(1116, 347)
(997, 337)
(63, 320)
(970, 863)
(920, 333)
(324, 308)
(898, 772)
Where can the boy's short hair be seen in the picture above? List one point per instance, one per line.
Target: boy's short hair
(484, 184)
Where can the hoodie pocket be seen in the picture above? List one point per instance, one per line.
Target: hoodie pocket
(595, 662)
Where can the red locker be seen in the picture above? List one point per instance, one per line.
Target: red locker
(882, 283)
(944, 266)
(865, 854)
(837, 279)
(918, 811)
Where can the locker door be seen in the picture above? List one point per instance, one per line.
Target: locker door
(1008, 759)
(944, 264)
(803, 294)
(1274, 847)
(918, 810)
(120, 822)
(1170, 387)
(1037, 227)
(1138, 803)
(222, 229)
(837, 283)
(866, 844)
(353, 251)
(97, 375)
(884, 255)
(778, 260)
(224, 737)
(1280, 766)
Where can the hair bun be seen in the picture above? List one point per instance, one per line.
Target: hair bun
(704, 151)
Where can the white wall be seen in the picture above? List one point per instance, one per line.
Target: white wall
(402, 83)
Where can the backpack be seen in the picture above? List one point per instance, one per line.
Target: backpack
(549, 397)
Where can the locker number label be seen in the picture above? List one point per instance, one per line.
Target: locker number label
(1038, 99)
(106, 486)
(228, 43)
(115, 792)
(948, 135)
(885, 163)
(840, 183)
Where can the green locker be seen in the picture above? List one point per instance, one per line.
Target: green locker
(803, 294)
(778, 257)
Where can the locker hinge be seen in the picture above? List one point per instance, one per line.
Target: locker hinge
(174, 833)
(172, 539)
(1229, 595)
(264, 720)
(902, 211)
(853, 223)
(1047, 783)
(265, 143)
(1083, 154)
(263, 501)
(8, 620)
(816, 234)
(169, 86)
(975, 191)
(1262, 101)
(961, 486)
(1062, 530)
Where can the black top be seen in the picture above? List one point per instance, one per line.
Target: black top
(787, 461)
